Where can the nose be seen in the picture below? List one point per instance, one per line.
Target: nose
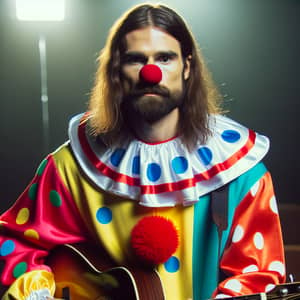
(151, 74)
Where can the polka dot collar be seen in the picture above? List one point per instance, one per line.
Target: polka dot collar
(167, 174)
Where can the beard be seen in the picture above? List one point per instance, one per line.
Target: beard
(151, 108)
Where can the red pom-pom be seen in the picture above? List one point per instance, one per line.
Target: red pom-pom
(151, 73)
(154, 239)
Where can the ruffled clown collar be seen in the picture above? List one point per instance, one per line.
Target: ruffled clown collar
(168, 174)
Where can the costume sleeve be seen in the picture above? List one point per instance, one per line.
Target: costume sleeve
(254, 257)
(44, 216)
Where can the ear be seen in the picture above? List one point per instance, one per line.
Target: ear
(187, 67)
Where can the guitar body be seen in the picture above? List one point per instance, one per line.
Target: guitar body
(81, 275)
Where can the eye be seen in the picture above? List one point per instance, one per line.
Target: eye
(166, 58)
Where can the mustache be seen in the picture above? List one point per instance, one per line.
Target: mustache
(140, 91)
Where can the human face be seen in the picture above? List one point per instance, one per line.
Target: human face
(152, 45)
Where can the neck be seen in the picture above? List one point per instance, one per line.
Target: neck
(164, 129)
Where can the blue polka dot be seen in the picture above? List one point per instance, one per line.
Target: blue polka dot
(153, 172)
(117, 156)
(136, 165)
(7, 248)
(172, 265)
(205, 155)
(179, 164)
(104, 215)
(230, 136)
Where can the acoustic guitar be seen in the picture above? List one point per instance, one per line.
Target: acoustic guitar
(82, 275)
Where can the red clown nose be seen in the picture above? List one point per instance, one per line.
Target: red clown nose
(151, 74)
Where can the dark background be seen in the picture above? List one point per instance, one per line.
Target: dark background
(251, 47)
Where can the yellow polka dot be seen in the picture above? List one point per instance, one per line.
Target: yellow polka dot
(23, 216)
(32, 234)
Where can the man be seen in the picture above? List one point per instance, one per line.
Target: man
(135, 180)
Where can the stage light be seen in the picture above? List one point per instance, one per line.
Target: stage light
(40, 10)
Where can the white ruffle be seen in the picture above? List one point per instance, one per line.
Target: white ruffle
(167, 174)
(42, 294)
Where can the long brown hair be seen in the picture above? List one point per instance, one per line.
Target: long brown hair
(202, 97)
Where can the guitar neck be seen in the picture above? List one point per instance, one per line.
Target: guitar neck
(286, 291)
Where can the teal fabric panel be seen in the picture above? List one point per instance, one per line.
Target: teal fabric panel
(237, 191)
(205, 235)
(205, 250)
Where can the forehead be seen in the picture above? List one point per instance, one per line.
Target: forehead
(151, 39)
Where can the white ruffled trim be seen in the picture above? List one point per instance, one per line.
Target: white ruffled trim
(222, 296)
(42, 294)
(171, 163)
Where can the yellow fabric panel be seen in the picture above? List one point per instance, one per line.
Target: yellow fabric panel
(115, 236)
(178, 285)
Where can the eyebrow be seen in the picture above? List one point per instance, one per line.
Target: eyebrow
(140, 55)
(133, 54)
(169, 53)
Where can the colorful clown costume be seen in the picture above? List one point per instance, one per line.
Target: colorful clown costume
(85, 191)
